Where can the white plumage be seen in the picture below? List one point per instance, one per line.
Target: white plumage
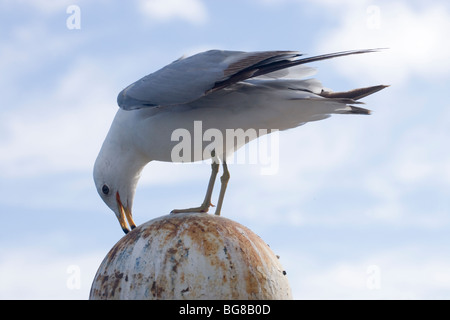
(222, 89)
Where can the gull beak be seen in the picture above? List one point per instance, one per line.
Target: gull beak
(124, 213)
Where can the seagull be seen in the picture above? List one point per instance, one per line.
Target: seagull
(222, 90)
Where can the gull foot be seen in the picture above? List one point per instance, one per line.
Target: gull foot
(202, 209)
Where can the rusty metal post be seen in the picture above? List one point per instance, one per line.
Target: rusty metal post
(191, 256)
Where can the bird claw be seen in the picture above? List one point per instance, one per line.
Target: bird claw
(201, 209)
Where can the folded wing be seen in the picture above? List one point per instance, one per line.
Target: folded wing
(192, 78)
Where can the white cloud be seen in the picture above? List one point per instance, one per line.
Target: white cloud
(62, 131)
(398, 273)
(383, 162)
(33, 273)
(416, 38)
(43, 6)
(192, 11)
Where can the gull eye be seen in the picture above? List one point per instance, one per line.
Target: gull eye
(105, 190)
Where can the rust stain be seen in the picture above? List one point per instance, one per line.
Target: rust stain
(157, 290)
(185, 290)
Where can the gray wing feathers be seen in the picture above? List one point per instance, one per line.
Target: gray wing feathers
(186, 80)
(182, 81)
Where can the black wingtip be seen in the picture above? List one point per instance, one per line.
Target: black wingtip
(335, 55)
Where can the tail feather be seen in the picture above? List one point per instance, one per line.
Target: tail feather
(354, 94)
(358, 110)
(352, 97)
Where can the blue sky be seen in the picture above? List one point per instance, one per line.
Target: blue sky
(352, 194)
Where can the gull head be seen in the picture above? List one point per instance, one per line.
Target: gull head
(116, 173)
(117, 190)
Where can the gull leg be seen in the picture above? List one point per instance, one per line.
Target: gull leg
(204, 207)
(223, 187)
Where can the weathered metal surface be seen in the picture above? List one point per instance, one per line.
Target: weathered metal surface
(191, 256)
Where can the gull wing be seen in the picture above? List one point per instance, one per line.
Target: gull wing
(188, 79)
